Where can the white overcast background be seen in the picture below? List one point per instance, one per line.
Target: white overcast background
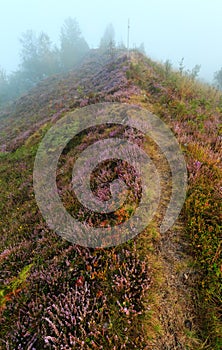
(169, 29)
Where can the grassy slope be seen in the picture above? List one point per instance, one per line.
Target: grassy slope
(43, 276)
(194, 113)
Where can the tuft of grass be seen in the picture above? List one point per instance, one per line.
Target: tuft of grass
(14, 287)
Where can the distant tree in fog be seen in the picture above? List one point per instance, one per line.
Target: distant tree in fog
(141, 49)
(29, 55)
(39, 59)
(73, 46)
(121, 46)
(48, 57)
(218, 78)
(107, 42)
(3, 86)
(19, 82)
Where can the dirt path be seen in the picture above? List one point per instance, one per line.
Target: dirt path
(174, 293)
(175, 309)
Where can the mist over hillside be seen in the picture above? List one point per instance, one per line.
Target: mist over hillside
(168, 30)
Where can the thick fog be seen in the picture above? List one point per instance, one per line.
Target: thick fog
(172, 29)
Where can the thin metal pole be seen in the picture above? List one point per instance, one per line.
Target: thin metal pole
(128, 36)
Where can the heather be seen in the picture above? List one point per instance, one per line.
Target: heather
(55, 295)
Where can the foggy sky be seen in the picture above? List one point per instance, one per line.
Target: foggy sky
(170, 29)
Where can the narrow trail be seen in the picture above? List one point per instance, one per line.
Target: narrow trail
(176, 298)
(174, 294)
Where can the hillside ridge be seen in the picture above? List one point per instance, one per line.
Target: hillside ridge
(154, 292)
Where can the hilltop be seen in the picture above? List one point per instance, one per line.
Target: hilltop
(153, 292)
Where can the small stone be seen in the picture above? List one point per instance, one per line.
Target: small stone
(188, 324)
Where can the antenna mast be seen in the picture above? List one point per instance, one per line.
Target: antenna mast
(128, 36)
